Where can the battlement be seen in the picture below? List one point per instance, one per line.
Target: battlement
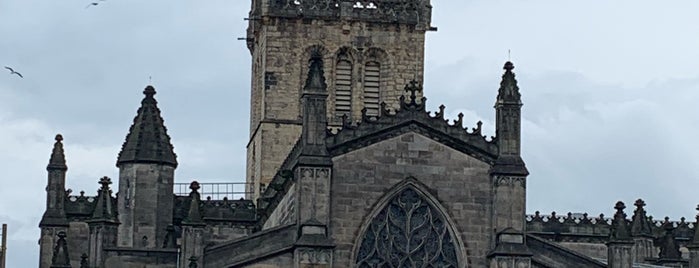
(414, 12)
(582, 228)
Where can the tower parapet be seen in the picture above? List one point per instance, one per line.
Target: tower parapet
(416, 12)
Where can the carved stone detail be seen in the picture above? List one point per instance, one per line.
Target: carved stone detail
(314, 256)
(407, 232)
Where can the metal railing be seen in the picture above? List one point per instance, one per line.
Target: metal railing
(217, 190)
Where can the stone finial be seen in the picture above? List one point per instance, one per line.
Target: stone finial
(105, 182)
(508, 66)
(194, 186)
(620, 231)
(104, 209)
(149, 91)
(58, 158)
(193, 262)
(194, 213)
(83, 261)
(61, 258)
(640, 225)
(669, 249)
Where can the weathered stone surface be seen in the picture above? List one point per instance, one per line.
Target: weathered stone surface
(459, 183)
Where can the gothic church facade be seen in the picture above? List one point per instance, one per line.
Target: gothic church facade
(345, 167)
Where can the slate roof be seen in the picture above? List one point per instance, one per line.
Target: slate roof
(147, 141)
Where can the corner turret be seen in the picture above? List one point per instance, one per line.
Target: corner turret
(146, 165)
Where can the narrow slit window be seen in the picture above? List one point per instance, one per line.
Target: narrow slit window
(372, 79)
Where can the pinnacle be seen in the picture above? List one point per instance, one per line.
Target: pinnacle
(509, 92)
(58, 158)
(147, 140)
(316, 80)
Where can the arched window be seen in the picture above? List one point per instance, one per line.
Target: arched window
(372, 79)
(407, 232)
(343, 88)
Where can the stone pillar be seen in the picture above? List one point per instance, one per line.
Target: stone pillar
(509, 172)
(510, 251)
(313, 172)
(620, 245)
(193, 227)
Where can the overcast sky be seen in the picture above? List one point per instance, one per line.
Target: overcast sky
(609, 91)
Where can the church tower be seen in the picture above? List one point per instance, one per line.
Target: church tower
(371, 50)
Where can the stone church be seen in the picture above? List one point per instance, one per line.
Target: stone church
(345, 168)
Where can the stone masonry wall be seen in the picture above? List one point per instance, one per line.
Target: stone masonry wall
(459, 182)
(280, 66)
(285, 211)
(283, 260)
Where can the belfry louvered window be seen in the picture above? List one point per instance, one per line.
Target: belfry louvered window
(343, 88)
(371, 87)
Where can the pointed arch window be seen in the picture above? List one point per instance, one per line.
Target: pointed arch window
(372, 94)
(343, 88)
(407, 232)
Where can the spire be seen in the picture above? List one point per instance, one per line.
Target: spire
(509, 92)
(104, 210)
(61, 258)
(315, 83)
(640, 225)
(147, 141)
(58, 158)
(620, 230)
(194, 214)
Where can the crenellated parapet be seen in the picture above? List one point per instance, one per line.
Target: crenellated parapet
(583, 228)
(383, 11)
(412, 117)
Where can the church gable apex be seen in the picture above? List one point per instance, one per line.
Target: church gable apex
(412, 117)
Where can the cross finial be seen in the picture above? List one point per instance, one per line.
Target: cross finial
(105, 182)
(413, 87)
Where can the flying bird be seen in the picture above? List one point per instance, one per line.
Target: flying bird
(14, 72)
(94, 3)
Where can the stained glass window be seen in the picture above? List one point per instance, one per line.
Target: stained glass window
(407, 232)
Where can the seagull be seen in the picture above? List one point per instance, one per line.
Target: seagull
(94, 3)
(13, 72)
